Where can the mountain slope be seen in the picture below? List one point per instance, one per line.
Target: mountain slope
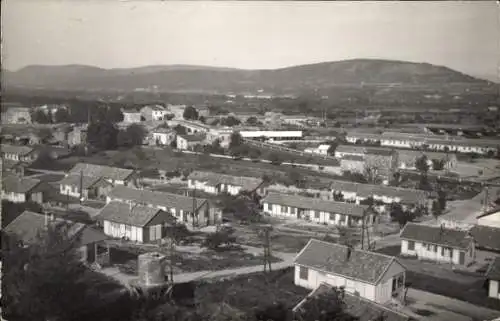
(199, 78)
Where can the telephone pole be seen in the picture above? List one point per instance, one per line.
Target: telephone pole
(267, 247)
(81, 187)
(194, 206)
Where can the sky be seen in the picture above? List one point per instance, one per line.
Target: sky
(252, 35)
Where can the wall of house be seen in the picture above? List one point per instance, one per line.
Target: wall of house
(14, 197)
(230, 189)
(71, 191)
(494, 289)
(421, 251)
(119, 230)
(383, 290)
(352, 166)
(492, 220)
(315, 278)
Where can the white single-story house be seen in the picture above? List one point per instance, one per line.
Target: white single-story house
(486, 238)
(91, 187)
(187, 142)
(162, 136)
(28, 226)
(154, 113)
(321, 149)
(18, 153)
(353, 164)
(373, 276)
(215, 183)
(114, 175)
(438, 243)
(22, 189)
(490, 218)
(178, 205)
(131, 116)
(135, 222)
(316, 210)
(493, 278)
(356, 306)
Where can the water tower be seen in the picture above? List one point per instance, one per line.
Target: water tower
(151, 270)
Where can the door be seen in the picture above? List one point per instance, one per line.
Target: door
(462, 258)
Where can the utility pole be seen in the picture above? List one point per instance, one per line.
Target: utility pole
(81, 187)
(267, 247)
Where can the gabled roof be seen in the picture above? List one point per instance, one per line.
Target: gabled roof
(155, 198)
(486, 237)
(363, 266)
(350, 149)
(28, 225)
(493, 272)
(438, 235)
(315, 204)
(356, 306)
(490, 212)
(86, 181)
(192, 138)
(135, 215)
(352, 158)
(247, 183)
(14, 149)
(109, 172)
(16, 184)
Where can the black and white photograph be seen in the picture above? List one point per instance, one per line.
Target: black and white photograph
(250, 160)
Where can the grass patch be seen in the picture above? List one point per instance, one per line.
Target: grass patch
(249, 291)
(424, 313)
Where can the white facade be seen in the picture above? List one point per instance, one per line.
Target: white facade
(437, 253)
(163, 138)
(274, 135)
(118, 230)
(131, 117)
(492, 220)
(22, 197)
(494, 289)
(380, 292)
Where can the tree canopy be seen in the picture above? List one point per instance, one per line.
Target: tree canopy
(102, 135)
(190, 113)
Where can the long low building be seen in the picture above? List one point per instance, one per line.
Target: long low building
(316, 210)
(272, 134)
(180, 206)
(215, 183)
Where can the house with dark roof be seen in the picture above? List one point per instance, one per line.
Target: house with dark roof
(187, 142)
(180, 206)
(316, 210)
(438, 243)
(162, 136)
(22, 189)
(490, 218)
(493, 277)
(135, 222)
(28, 226)
(486, 238)
(356, 306)
(18, 153)
(114, 175)
(86, 187)
(215, 183)
(373, 276)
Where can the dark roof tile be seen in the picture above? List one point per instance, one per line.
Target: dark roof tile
(436, 235)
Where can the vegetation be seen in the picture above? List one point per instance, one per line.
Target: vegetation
(102, 135)
(133, 135)
(399, 215)
(190, 113)
(10, 210)
(216, 240)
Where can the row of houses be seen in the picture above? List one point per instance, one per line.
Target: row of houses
(426, 141)
(160, 113)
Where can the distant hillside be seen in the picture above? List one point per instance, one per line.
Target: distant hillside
(224, 80)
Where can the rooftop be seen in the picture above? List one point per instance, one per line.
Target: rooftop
(315, 204)
(247, 183)
(16, 184)
(438, 235)
(135, 215)
(493, 272)
(14, 149)
(486, 237)
(155, 198)
(75, 180)
(364, 266)
(192, 138)
(352, 158)
(109, 172)
(356, 306)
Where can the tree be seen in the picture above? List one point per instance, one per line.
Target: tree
(180, 130)
(40, 117)
(244, 208)
(441, 199)
(224, 236)
(421, 164)
(230, 121)
(45, 135)
(436, 209)
(399, 215)
(46, 281)
(136, 134)
(338, 196)
(62, 116)
(252, 121)
(327, 306)
(235, 140)
(202, 120)
(11, 211)
(332, 148)
(190, 113)
(102, 135)
(295, 178)
(254, 153)
(275, 159)
(113, 114)
(438, 164)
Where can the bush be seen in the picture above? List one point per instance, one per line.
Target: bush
(214, 241)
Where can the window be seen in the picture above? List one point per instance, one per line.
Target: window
(411, 245)
(304, 273)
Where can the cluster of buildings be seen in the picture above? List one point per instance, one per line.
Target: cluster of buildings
(425, 142)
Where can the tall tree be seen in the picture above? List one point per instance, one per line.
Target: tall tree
(102, 135)
(436, 209)
(62, 116)
(190, 113)
(40, 117)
